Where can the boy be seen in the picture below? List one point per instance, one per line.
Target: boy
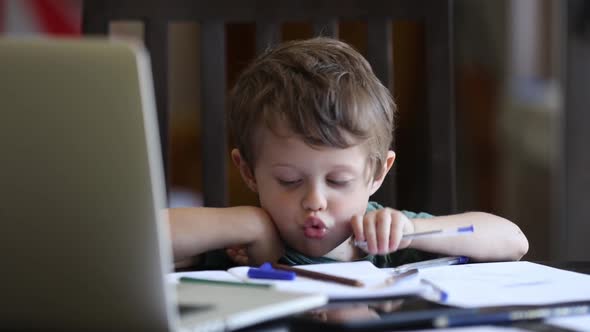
(313, 126)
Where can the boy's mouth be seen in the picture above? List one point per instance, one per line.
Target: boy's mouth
(314, 228)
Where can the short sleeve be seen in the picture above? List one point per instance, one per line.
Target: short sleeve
(373, 206)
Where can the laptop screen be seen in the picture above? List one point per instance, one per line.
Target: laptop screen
(81, 188)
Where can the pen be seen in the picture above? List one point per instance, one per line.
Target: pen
(402, 276)
(266, 271)
(397, 278)
(452, 260)
(439, 294)
(318, 275)
(433, 233)
(223, 282)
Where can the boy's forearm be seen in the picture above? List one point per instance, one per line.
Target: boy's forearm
(494, 238)
(196, 230)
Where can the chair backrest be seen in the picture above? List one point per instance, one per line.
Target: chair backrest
(432, 189)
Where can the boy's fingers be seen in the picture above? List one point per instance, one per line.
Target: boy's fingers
(370, 233)
(396, 231)
(242, 260)
(383, 232)
(238, 254)
(357, 228)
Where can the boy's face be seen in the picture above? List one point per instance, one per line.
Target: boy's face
(311, 193)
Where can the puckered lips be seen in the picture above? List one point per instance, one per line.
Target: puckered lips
(314, 228)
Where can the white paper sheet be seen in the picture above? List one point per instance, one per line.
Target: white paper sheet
(373, 278)
(574, 323)
(507, 283)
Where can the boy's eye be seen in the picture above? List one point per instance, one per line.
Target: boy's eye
(288, 182)
(339, 183)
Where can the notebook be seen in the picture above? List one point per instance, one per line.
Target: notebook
(83, 244)
(377, 283)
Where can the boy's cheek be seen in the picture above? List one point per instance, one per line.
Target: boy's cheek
(276, 214)
(347, 209)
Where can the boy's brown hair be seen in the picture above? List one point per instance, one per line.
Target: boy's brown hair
(322, 90)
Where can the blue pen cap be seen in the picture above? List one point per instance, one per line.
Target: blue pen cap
(462, 260)
(466, 229)
(267, 272)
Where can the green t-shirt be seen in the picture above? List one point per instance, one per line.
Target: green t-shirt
(218, 260)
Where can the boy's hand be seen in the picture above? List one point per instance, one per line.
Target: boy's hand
(266, 244)
(383, 230)
(238, 254)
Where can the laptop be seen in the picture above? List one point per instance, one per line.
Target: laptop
(82, 242)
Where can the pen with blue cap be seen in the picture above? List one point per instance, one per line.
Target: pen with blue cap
(266, 271)
(443, 261)
(284, 272)
(438, 232)
(435, 293)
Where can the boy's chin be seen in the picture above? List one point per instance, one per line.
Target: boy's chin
(312, 250)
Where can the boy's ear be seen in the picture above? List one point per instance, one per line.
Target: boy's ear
(245, 171)
(378, 180)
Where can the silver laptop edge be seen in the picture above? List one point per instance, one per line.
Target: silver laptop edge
(79, 188)
(84, 244)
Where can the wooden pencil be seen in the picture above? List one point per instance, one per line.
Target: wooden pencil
(319, 276)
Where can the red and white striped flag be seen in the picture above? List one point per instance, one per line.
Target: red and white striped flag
(50, 17)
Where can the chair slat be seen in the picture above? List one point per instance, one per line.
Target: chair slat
(252, 10)
(440, 108)
(156, 40)
(214, 138)
(268, 33)
(94, 19)
(380, 56)
(326, 28)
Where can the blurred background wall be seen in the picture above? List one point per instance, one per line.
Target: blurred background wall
(508, 99)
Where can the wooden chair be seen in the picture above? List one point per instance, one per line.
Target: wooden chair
(432, 189)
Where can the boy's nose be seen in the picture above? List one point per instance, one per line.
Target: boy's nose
(314, 199)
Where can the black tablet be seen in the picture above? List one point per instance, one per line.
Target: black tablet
(373, 315)
(416, 312)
